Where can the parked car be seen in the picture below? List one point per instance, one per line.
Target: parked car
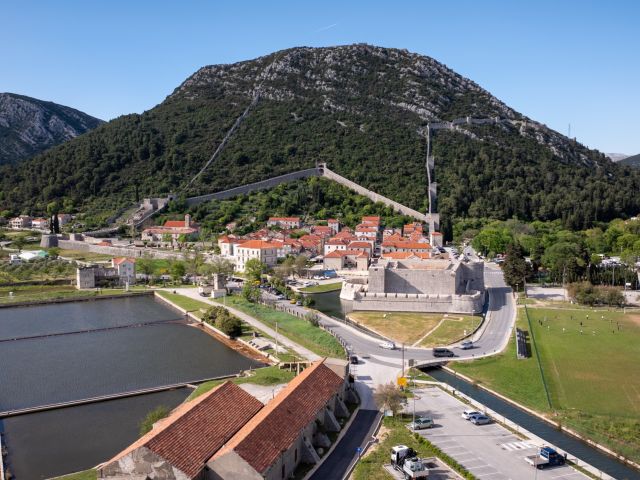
(421, 422)
(466, 345)
(480, 419)
(354, 360)
(388, 345)
(443, 352)
(467, 414)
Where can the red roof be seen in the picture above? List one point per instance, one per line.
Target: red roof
(197, 429)
(364, 228)
(274, 429)
(360, 245)
(344, 253)
(174, 224)
(337, 241)
(405, 255)
(332, 220)
(258, 244)
(120, 260)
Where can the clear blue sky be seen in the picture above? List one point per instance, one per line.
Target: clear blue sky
(558, 62)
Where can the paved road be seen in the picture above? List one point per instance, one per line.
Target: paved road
(344, 453)
(487, 451)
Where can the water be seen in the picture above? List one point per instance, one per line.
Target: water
(57, 442)
(47, 370)
(330, 304)
(538, 427)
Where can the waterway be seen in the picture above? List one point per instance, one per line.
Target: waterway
(330, 304)
(40, 371)
(540, 428)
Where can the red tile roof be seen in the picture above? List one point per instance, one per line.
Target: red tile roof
(406, 255)
(365, 228)
(360, 245)
(119, 260)
(175, 224)
(197, 429)
(258, 244)
(344, 253)
(274, 429)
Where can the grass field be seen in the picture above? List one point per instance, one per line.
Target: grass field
(294, 328)
(590, 362)
(409, 328)
(90, 474)
(27, 293)
(327, 287)
(85, 256)
(261, 376)
(189, 304)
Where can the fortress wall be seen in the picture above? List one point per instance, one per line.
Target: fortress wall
(463, 304)
(373, 196)
(252, 187)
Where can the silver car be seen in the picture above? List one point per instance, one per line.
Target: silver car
(480, 419)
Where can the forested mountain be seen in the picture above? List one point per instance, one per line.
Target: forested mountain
(633, 161)
(29, 126)
(363, 110)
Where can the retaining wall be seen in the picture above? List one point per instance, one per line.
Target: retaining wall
(391, 302)
(117, 251)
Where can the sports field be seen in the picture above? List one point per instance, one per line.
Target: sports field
(590, 361)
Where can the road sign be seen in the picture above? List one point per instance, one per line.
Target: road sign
(402, 381)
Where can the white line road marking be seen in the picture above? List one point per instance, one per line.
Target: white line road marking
(516, 446)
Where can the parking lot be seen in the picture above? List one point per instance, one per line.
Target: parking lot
(487, 451)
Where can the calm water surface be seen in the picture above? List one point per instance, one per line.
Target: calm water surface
(47, 370)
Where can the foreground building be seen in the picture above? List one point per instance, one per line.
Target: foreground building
(228, 434)
(414, 284)
(178, 447)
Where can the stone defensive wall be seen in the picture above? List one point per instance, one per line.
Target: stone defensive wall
(115, 251)
(373, 196)
(408, 302)
(252, 187)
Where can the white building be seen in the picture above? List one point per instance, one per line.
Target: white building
(266, 252)
(284, 222)
(40, 224)
(23, 221)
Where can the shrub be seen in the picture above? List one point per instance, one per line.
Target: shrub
(152, 417)
(587, 294)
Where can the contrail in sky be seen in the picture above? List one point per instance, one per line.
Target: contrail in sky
(326, 28)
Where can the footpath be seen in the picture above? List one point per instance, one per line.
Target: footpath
(254, 322)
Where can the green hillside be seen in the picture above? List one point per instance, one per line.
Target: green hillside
(361, 109)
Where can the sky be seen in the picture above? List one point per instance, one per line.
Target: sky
(559, 62)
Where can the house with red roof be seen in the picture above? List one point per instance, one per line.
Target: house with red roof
(436, 239)
(334, 225)
(171, 231)
(265, 251)
(179, 446)
(284, 222)
(346, 259)
(288, 431)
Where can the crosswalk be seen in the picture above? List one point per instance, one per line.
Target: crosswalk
(517, 446)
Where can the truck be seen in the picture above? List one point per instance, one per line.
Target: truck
(546, 457)
(205, 290)
(405, 460)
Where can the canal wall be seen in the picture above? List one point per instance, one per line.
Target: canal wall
(557, 425)
(88, 298)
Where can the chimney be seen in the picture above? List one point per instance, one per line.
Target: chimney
(187, 220)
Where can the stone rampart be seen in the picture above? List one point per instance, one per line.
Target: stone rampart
(116, 251)
(373, 196)
(252, 187)
(397, 302)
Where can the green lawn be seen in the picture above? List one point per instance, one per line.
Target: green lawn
(394, 432)
(453, 329)
(327, 287)
(90, 474)
(261, 376)
(593, 377)
(294, 328)
(189, 304)
(410, 327)
(85, 256)
(26, 293)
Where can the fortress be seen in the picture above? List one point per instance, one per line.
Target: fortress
(416, 285)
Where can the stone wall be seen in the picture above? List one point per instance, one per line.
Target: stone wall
(252, 187)
(116, 251)
(464, 304)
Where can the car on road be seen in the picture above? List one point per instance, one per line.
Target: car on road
(480, 419)
(387, 345)
(467, 414)
(353, 359)
(421, 423)
(443, 352)
(466, 345)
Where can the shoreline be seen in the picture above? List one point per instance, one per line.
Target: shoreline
(85, 298)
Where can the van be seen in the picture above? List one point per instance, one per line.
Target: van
(442, 352)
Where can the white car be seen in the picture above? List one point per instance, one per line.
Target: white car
(388, 345)
(466, 345)
(467, 414)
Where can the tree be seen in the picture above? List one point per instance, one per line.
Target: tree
(515, 267)
(145, 266)
(177, 270)
(229, 324)
(254, 269)
(152, 417)
(389, 397)
(19, 243)
(251, 292)
(565, 261)
(54, 252)
(300, 265)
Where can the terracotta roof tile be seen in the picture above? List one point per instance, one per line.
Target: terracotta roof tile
(274, 429)
(257, 244)
(197, 429)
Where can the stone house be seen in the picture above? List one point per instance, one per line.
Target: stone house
(289, 430)
(178, 447)
(284, 222)
(23, 221)
(171, 231)
(264, 251)
(346, 259)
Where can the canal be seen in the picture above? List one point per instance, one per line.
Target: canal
(73, 366)
(538, 427)
(330, 304)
